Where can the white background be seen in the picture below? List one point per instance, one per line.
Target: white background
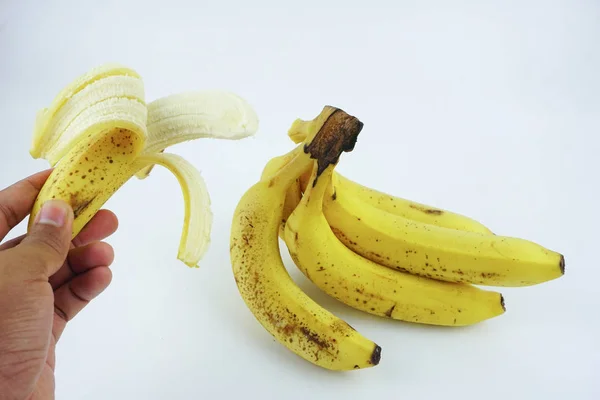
(489, 110)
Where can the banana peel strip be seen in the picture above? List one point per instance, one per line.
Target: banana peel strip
(45, 136)
(195, 237)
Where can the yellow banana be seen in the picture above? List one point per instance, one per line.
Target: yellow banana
(294, 192)
(437, 252)
(386, 202)
(286, 312)
(98, 132)
(368, 286)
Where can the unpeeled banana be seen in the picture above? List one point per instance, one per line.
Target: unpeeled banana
(437, 252)
(377, 253)
(368, 286)
(288, 314)
(98, 132)
(294, 191)
(428, 241)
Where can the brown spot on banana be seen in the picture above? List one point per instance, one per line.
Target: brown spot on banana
(288, 329)
(430, 211)
(79, 205)
(389, 312)
(314, 337)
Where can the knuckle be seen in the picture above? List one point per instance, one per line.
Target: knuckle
(61, 313)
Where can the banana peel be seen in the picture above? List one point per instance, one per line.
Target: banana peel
(98, 132)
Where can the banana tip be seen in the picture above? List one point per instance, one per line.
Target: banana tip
(376, 355)
(561, 264)
(502, 302)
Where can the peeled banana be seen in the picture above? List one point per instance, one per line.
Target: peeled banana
(288, 314)
(98, 132)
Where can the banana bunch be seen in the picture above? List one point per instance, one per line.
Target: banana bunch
(377, 253)
(99, 132)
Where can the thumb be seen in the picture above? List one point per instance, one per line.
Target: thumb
(46, 245)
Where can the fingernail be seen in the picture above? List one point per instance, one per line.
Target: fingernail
(53, 212)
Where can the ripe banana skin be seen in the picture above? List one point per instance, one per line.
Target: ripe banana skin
(99, 132)
(437, 252)
(288, 314)
(426, 241)
(395, 205)
(92, 172)
(368, 286)
(294, 192)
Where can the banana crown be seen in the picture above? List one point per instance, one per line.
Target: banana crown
(377, 253)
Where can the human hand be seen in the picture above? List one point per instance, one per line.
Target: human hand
(45, 280)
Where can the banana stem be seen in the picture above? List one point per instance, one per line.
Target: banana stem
(337, 134)
(317, 187)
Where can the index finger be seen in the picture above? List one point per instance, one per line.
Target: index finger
(16, 201)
